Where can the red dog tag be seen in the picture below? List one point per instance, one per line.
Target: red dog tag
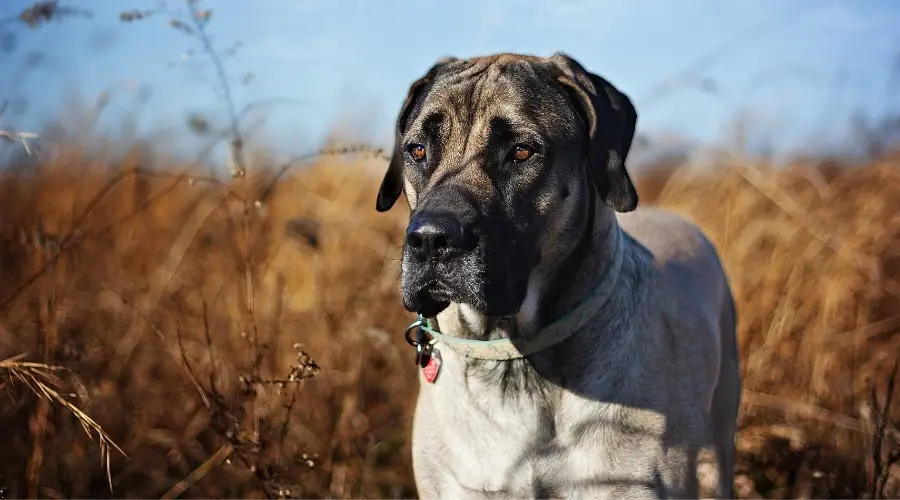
(433, 367)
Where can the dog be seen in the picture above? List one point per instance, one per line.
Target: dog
(572, 345)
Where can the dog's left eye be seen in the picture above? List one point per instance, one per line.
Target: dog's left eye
(521, 153)
(417, 151)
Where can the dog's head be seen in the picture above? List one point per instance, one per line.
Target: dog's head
(501, 159)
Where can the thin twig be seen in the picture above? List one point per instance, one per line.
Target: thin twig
(802, 409)
(200, 472)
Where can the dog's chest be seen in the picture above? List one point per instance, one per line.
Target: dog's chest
(474, 440)
(472, 437)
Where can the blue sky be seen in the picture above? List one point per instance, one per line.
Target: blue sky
(794, 70)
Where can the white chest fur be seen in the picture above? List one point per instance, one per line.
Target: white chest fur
(471, 440)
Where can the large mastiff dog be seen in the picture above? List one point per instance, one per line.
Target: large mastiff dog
(579, 348)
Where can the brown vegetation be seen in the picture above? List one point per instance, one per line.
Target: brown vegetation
(139, 289)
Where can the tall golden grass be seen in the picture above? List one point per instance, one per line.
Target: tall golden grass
(137, 285)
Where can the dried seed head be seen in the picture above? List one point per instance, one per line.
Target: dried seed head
(181, 26)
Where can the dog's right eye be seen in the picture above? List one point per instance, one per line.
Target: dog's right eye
(417, 151)
(521, 153)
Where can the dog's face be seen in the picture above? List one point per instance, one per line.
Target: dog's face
(501, 159)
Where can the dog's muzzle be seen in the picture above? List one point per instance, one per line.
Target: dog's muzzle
(438, 248)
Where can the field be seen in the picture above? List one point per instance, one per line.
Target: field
(183, 312)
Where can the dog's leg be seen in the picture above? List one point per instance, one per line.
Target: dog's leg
(428, 475)
(725, 426)
(727, 400)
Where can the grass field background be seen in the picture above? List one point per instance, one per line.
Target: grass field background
(183, 311)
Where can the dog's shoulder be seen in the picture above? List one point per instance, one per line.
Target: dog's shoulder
(689, 287)
(670, 236)
(679, 249)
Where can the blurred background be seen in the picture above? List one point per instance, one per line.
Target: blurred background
(197, 297)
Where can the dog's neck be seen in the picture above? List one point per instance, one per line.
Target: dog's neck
(553, 291)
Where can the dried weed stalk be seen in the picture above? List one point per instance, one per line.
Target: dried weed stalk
(33, 16)
(42, 381)
(248, 446)
(883, 462)
(40, 13)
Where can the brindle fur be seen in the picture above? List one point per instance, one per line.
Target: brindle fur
(633, 402)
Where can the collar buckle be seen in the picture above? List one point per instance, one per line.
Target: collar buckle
(421, 343)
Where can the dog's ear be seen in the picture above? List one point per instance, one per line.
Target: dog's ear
(611, 120)
(392, 184)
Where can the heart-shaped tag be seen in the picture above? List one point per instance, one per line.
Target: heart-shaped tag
(431, 370)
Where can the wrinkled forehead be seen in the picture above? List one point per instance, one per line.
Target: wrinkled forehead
(521, 93)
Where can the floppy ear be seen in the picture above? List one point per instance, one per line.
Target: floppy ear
(611, 120)
(392, 184)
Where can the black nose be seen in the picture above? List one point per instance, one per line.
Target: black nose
(438, 237)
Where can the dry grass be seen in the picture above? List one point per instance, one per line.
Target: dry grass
(141, 293)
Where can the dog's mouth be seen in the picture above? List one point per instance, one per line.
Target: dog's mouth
(431, 293)
(431, 307)
(429, 301)
(430, 288)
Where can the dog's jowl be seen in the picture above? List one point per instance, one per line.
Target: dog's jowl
(587, 346)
